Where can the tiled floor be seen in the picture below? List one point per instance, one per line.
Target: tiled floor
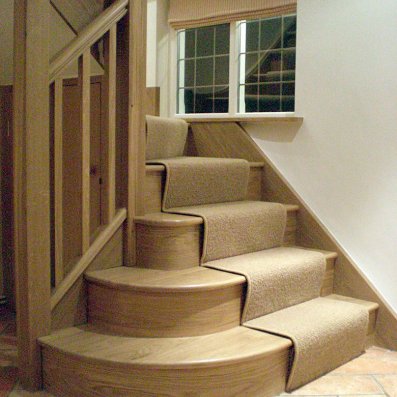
(372, 374)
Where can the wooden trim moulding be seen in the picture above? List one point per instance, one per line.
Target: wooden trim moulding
(88, 257)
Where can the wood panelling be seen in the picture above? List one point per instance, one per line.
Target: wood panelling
(6, 196)
(31, 151)
(72, 307)
(220, 140)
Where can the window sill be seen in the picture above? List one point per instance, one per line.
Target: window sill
(240, 118)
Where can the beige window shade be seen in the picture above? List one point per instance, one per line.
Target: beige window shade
(191, 13)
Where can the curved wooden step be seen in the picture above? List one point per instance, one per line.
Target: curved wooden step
(154, 185)
(172, 241)
(157, 303)
(162, 303)
(238, 362)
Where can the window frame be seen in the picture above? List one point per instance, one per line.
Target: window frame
(233, 83)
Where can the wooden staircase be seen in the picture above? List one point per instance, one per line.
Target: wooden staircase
(170, 327)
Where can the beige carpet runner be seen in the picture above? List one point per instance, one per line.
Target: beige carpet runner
(276, 278)
(283, 283)
(192, 181)
(326, 334)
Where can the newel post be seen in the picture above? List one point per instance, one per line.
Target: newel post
(32, 184)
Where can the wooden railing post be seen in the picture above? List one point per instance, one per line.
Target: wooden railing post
(132, 119)
(32, 183)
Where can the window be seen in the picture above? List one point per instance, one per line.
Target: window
(203, 69)
(262, 78)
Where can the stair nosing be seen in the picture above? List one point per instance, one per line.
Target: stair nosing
(170, 288)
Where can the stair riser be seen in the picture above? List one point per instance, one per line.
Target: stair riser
(172, 248)
(172, 313)
(68, 376)
(154, 186)
(164, 314)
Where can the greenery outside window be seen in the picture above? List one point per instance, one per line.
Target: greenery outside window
(241, 67)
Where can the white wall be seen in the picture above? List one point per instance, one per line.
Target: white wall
(343, 160)
(157, 71)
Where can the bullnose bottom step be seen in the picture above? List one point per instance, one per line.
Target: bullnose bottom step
(82, 361)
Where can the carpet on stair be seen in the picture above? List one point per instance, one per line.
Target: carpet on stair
(165, 137)
(326, 333)
(276, 278)
(238, 227)
(194, 181)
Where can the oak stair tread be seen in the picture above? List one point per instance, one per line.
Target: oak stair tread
(135, 278)
(194, 278)
(235, 345)
(168, 219)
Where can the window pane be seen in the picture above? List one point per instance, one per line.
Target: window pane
(205, 41)
(251, 98)
(288, 98)
(222, 39)
(270, 66)
(204, 100)
(289, 32)
(204, 71)
(269, 98)
(222, 70)
(252, 36)
(221, 99)
(270, 34)
(251, 68)
(266, 64)
(289, 65)
(190, 43)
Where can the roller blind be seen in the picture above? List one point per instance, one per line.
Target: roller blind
(191, 13)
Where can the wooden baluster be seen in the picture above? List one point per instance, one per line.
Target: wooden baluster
(109, 138)
(58, 179)
(85, 115)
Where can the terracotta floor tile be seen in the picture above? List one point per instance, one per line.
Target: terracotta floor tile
(372, 362)
(389, 384)
(341, 385)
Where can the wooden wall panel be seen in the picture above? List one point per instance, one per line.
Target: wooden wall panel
(152, 101)
(72, 309)
(72, 168)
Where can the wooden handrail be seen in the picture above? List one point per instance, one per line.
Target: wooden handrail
(88, 36)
